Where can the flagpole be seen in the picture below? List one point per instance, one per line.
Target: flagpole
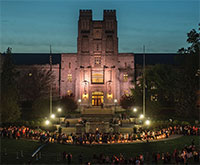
(144, 85)
(50, 95)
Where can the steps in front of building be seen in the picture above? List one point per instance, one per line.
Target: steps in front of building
(97, 114)
(68, 130)
(97, 111)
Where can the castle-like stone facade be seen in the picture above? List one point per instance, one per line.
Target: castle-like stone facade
(97, 73)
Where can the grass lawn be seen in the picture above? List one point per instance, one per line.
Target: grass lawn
(52, 153)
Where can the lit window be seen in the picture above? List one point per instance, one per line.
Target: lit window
(97, 60)
(125, 77)
(98, 77)
(69, 77)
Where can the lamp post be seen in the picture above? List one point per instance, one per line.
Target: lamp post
(59, 111)
(115, 101)
(141, 116)
(53, 116)
(47, 122)
(79, 102)
(134, 109)
(147, 122)
(144, 84)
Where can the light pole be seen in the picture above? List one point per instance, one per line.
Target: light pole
(134, 109)
(144, 86)
(59, 111)
(79, 101)
(141, 116)
(115, 101)
(50, 93)
(47, 122)
(53, 116)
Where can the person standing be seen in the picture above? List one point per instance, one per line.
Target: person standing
(69, 158)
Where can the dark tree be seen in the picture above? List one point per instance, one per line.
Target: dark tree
(159, 89)
(68, 104)
(40, 108)
(10, 111)
(35, 83)
(187, 85)
(126, 102)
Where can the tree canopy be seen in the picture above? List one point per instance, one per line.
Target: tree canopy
(171, 87)
(10, 110)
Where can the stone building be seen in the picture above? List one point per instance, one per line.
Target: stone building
(97, 73)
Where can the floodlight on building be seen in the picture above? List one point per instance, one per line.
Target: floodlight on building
(53, 116)
(134, 109)
(59, 109)
(47, 122)
(141, 116)
(147, 122)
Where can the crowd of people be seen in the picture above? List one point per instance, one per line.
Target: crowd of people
(187, 154)
(97, 137)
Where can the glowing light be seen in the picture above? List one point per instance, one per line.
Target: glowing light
(141, 116)
(79, 100)
(47, 122)
(53, 116)
(147, 122)
(109, 96)
(115, 100)
(59, 109)
(134, 109)
(85, 96)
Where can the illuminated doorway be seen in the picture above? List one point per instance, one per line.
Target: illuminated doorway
(97, 98)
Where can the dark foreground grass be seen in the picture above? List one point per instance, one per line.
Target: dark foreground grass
(52, 153)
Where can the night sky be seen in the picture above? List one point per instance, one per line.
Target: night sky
(32, 25)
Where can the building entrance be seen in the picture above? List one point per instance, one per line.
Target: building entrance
(97, 98)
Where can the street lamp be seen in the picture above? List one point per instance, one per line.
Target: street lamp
(53, 116)
(47, 122)
(141, 116)
(79, 101)
(59, 109)
(134, 109)
(115, 101)
(147, 122)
